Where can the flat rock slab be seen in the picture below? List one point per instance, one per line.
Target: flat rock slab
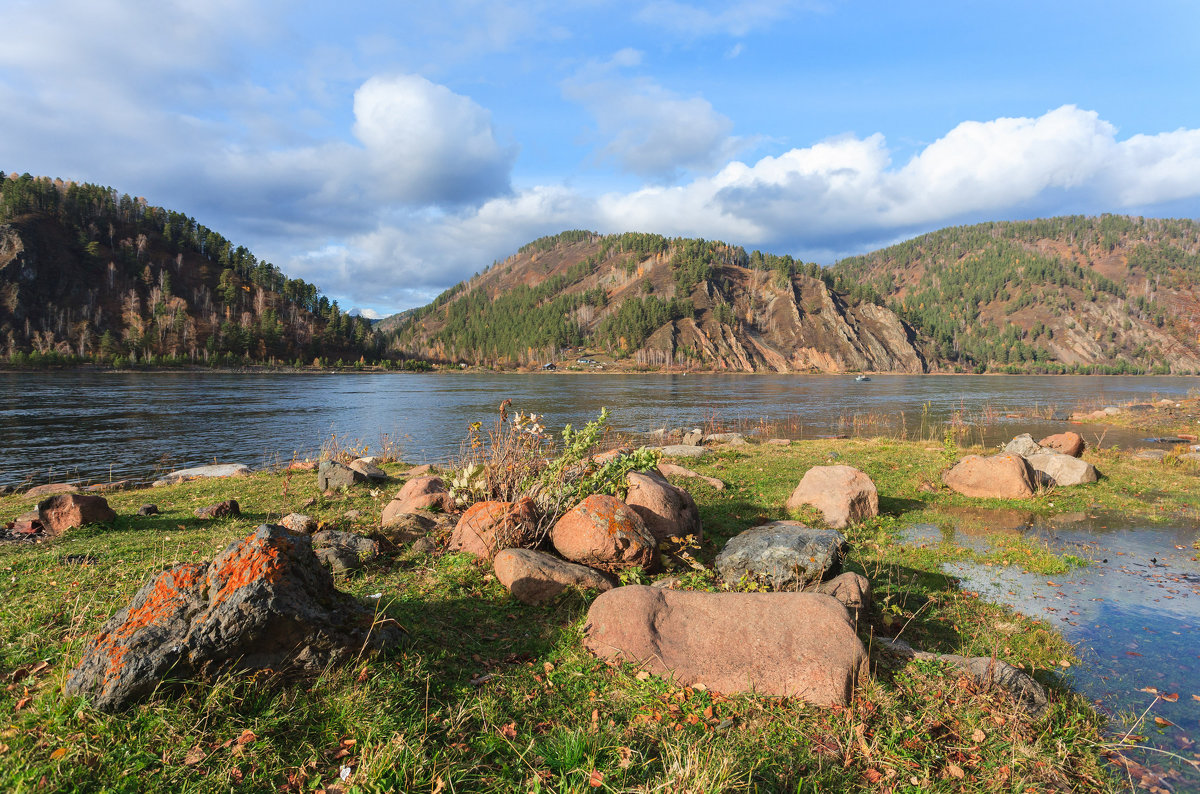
(671, 470)
(263, 603)
(196, 472)
(784, 554)
(682, 451)
(534, 577)
(783, 644)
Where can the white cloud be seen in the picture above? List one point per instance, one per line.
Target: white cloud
(732, 19)
(646, 129)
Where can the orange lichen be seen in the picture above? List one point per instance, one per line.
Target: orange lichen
(255, 561)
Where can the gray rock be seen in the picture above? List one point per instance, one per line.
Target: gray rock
(986, 670)
(369, 470)
(1150, 454)
(148, 510)
(784, 554)
(264, 603)
(332, 475)
(693, 438)
(682, 451)
(1190, 456)
(1023, 445)
(424, 546)
(1063, 470)
(733, 439)
(197, 472)
(343, 551)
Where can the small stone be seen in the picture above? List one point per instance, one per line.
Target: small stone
(352, 515)
(299, 523)
(424, 546)
(332, 475)
(422, 493)
(729, 439)
(148, 510)
(369, 470)
(227, 509)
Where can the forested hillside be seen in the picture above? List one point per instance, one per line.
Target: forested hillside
(1111, 294)
(87, 274)
(1116, 293)
(648, 300)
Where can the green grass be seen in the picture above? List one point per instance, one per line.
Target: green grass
(493, 695)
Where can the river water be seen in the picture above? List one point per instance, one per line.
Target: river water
(93, 426)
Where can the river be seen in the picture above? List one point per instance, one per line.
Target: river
(94, 426)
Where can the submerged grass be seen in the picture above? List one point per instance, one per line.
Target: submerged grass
(493, 695)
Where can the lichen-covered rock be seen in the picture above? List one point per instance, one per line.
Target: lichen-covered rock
(603, 532)
(1006, 476)
(489, 527)
(63, 511)
(843, 494)
(264, 602)
(783, 644)
(534, 577)
(783, 554)
(668, 511)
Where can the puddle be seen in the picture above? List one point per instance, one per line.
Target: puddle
(1133, 615)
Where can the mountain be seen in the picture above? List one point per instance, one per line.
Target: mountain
(87, 274)
(652, 301)
(1072, 294)
(1114, 292)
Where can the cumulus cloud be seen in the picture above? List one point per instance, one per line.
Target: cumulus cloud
(837, 197)
(646, 129)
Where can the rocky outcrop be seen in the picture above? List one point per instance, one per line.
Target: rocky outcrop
(263, 603)
(1006, 476)
(843, 494)
(785, 555)
(534, 577)
(603, 532)
(784, 644)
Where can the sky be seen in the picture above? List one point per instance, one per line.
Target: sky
(386, 151)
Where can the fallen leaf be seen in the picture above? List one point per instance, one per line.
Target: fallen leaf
(245, 737)
(626, 756)
(956, 771)
(194, 756)
(1163, 722)
(22, 703)
(508, 731)
(1171, 698)
(978, 736)
(642, 675)
(596, 779)
(57, 754)
(1149, 689)
(438, 785)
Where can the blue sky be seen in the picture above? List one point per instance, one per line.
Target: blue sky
(385, 151)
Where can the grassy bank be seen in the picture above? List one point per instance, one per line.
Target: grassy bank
(493, 695)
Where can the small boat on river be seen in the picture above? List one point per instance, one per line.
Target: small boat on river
(861, 379)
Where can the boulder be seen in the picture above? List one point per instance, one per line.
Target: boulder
(1063, 470)
(604, 532)
(1004, 476)
(368, 469)
(682, 451)
(784, 554)
(692, 438)
(264, 603)
(1067, 443)
(666, 510)
(671, 470)
(59, 513)
(535, 576)
(1022, 445)
(783, 644)
(343, 551)
(422, 493)
(198, 472)
(489, 527)
(40, 491)
(332, 475)
(852, 590)
(842, 493)
(299, 523)
(227, 509)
